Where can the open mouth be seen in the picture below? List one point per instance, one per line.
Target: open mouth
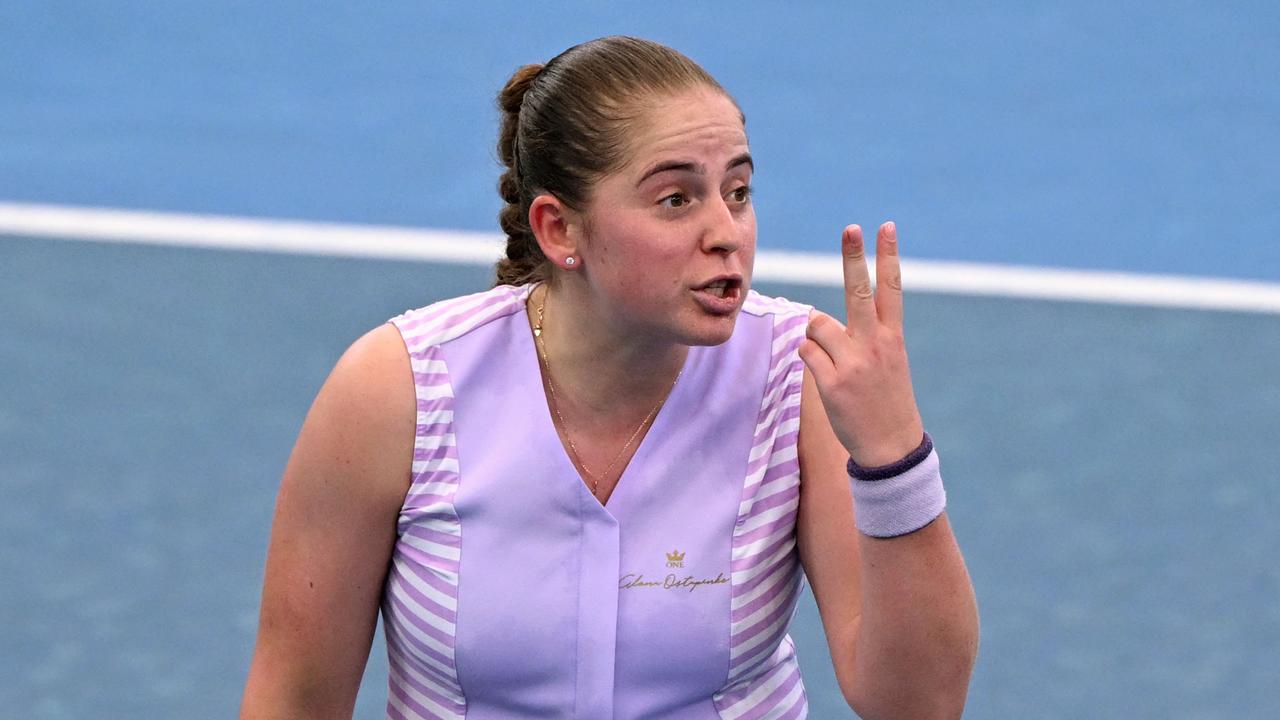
(722, 292)
(721, 288)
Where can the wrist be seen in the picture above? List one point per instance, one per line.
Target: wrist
(887, 449)
(897, 467)
(899, 497)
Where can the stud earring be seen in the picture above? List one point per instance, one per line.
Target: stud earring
(570, 261)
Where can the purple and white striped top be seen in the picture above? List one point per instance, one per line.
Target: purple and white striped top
(513, 593)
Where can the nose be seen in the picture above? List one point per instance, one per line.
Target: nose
(725, 232)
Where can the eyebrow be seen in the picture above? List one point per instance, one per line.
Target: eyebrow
(696, 168)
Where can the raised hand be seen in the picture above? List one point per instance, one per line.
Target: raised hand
(861, 367)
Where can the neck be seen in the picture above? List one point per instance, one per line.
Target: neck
(597, 366)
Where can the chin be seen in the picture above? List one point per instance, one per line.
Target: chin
(711, 331)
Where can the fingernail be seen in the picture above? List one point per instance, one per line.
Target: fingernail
(893, 230)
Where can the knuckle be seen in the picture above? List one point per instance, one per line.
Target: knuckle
(890, 347)
(863, 290)
(855, 373)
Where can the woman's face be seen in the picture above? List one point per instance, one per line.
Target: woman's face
(670, 237)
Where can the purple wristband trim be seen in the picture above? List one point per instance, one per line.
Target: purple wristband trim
(899, 505)
(913, 458)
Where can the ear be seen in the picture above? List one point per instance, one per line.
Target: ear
(556, 228)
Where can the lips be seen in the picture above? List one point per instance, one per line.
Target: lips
(720, 295)
(718, 288)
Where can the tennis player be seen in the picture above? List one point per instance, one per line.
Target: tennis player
(595, 490)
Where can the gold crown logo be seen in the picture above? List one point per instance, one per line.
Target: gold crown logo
(675, 556)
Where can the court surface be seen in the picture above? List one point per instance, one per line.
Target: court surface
(1111, 469)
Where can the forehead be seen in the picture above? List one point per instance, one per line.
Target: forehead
(697, 123)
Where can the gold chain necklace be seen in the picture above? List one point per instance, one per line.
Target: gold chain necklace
(555, 406)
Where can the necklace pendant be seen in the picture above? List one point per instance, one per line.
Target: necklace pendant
(537, 332)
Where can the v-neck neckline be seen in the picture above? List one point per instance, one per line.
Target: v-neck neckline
(548, 435)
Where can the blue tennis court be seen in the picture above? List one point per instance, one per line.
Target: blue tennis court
(1110, 467)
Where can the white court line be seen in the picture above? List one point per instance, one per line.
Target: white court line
(476, 248)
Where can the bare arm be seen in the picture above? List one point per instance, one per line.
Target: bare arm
(899, 614)
(332, 536)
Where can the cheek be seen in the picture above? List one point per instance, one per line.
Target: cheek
(749, 237)
(654, 252)
(644, 259)
(648, 279)
(749, 228)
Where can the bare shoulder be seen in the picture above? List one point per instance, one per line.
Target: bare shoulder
(376, 366)
(354, 453)
(333, 534)
(364, 415)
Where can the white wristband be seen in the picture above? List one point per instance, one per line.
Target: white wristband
(901, 504)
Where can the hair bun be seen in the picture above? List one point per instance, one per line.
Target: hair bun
(512, 94)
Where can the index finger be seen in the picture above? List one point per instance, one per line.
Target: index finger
(859, 305)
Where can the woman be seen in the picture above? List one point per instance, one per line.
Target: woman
(590, 491)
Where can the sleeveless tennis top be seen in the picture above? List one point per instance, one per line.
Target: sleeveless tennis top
(513, 593)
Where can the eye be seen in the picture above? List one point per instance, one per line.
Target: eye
(741, 194)
(674, 200)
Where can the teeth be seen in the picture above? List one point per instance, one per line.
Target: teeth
(718, 288)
